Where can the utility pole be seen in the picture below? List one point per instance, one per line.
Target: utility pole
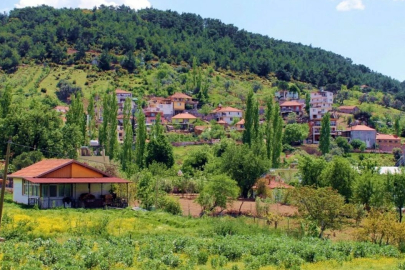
(3, 185)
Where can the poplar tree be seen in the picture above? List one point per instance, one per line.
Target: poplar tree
(92, 117)
(5, 101)
(76, 115)
(277, 144)
(108, 133)
(126, 154)
(247, 133)
(269, 132)
(324, 140)
(140, 140)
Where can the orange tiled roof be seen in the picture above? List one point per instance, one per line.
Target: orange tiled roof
(291, 103)
(184, 116)
(226, 109)
(387, 137)
(241, 122)
(361, 128)
(60, 108)
(41, 167)
(120, 91)
(221, 122)
(179, 95)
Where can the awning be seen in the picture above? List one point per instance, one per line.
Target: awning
(100, 180)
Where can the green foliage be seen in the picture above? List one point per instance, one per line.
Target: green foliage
(140, 143)
(159, 149)
(397, 152)
(145, 190)
(218, 192)
(343, 144)
(395, 186)
(310, 169)
(340, 175)
(324, 206)
(196, 160)
(108, 131)
(249, 119)
(66, 89)
(295, 133)
(5, 101)
(324, 140)
(127, 153)
(26, 159)
(357, 144)
(368, 190)
(277, 143)
(76, 116)
(243, 165)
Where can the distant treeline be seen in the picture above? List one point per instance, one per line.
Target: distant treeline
(44, 34)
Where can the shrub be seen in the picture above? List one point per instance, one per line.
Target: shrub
(397, 152)
(170, 204)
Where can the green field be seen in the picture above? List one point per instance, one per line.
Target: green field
(126, 239)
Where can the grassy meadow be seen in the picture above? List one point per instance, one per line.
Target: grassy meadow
(127, 239)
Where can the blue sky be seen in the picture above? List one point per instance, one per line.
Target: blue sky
(370, 32)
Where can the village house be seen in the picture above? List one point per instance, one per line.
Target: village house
(180, 101)
(150, 117)
(240, 126)
(164, 105)
(387, 142)
(184, 118)
(285, 94)
(227, 114)
(291, 106)
(122, 95)
(349, 109)
(64, 182)
(365, 134)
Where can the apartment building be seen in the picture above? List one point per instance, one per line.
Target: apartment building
(321, 102)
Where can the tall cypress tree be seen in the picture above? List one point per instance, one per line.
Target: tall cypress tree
(5, 101)
(247, 133)
(269, 128)
(126, 154)
(324, 140)
(277, 144)
(140, 140)
(256, 128)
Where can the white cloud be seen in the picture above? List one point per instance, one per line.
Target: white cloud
(347, 5)
(135, 4)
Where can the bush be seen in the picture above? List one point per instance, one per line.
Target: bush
(397, 152)
(170, 204)
(358, 144)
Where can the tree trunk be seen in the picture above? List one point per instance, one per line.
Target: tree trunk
(240, 208)
(400, 214)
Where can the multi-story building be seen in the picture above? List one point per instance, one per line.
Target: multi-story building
(180, 101)
(122, 95)
(386, 143)
(285, 94)
(321, 102)
(159, 104)
(291, 106)
(227, 114)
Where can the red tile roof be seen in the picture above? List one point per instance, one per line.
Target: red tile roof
(291, 103)
(184, 116)
(387, 137)
(278, 184)
(40, 168)
(120, 91)
(361, 128)
(221, 122)
(76, 180)
(241, 122)
(226, 109)
(179, 95)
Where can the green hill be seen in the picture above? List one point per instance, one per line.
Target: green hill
(131, 39)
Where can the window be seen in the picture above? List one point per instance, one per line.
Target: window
(30, 189)
(53, 190)
(64, 190)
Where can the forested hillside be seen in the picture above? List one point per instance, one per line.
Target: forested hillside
(44, 34)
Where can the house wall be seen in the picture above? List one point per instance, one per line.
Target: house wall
(73, 170)
(369, 136)
(95, 189)
(17, 192)
(228, 117)
(387, 146)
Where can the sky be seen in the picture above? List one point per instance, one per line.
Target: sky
(370, 32)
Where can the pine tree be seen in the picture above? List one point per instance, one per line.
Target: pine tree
(249, 122)
(269, 128)
(277, 144)
(324, 140)
(126, 154)
(140, 140)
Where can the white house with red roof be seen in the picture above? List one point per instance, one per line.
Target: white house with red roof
(62, 182)
(227, 114)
